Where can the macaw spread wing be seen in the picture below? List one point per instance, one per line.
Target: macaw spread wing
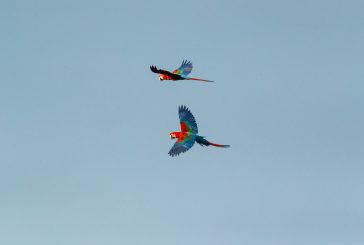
(160, 71)
(187, 120)
(182, 146)
(184, 69)
(173, 76)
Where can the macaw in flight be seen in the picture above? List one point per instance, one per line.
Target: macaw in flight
(178, 74)
(188, 135)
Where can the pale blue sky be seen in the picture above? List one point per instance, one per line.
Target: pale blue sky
(84, 123)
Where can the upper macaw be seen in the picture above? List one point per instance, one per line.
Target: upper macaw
(178, 74)
(188, 135)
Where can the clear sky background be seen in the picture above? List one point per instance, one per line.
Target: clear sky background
(84, 123)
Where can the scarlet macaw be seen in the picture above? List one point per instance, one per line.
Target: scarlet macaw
(178, 74)
(188, 135)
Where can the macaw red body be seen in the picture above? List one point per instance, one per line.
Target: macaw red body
(179, 74)
(188, 135)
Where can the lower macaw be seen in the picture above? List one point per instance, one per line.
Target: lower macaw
(178, 74)
(188, 135)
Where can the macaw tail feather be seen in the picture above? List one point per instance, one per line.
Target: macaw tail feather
(218, 145)
(198, 79)
(202, 141)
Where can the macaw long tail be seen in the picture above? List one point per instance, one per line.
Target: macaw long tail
(218, 145)
(204, 142)
(198, 79)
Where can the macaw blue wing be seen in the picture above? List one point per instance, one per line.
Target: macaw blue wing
(187, 120)
(184, 69)
(182, 146)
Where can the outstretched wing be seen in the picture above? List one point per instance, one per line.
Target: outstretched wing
(182, 146)
(187, 120)
(160, 71)
(184, 69)
(167, 73)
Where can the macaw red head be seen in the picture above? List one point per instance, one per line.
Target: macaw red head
(173, 135)
(162, 77)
